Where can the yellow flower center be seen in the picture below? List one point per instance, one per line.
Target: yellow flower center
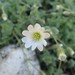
(36, 36)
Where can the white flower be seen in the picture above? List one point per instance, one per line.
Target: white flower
(35, 37)
(62, 57)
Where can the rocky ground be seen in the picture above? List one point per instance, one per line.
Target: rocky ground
(13, 61)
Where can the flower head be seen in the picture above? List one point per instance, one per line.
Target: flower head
(35, 37)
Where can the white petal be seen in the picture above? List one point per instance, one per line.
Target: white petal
(30, 27)
(26, 33)
(34, 45)
(27, 45)
(46, 35)
(40, 47)
(44, 42)
(24, 39)
(37, 25)
(27, 42)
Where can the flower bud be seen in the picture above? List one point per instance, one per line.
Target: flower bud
(59, 7)
(4, 16)
(61, 54)
(60, 50)
(70, 51)
(61, 45)
(66, 12)
(62, 57)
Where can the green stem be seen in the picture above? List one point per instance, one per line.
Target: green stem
(57, 44)
(54, 37)
(62, 42)
(60, 62)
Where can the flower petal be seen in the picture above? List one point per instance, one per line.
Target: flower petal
(30, 27)
(27, 42)
(34, 45)
(26, 33)
(27, 45)
(40, 47)
(24, 39)
(47, 35)
(44, 42)
(37, 25)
